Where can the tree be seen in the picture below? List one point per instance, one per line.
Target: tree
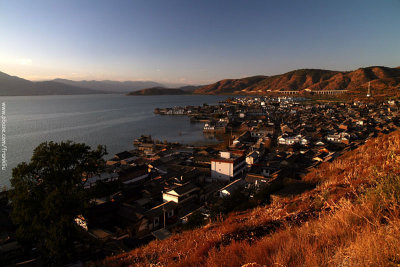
(196, 219)
(48, 194)
(237, 201)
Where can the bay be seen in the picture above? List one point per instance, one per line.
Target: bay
(113, 120)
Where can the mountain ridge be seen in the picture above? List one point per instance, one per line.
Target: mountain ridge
(16, 86)
(109, 85)
(381, 78)
(385, 81)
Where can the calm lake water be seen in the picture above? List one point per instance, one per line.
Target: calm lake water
(111, 120)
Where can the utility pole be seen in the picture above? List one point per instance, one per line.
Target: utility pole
(164, 215)
(369, 89)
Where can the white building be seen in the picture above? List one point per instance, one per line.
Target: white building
(292, 140)
(208, 127)
(227, 166)
(252, 158)
(181, 194)
(338, 138)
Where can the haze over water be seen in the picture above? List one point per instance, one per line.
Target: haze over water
(111, 120)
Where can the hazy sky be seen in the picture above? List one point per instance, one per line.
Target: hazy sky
(193, 42)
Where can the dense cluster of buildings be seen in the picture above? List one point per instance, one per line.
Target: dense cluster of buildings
(267, 139)
(158, 185)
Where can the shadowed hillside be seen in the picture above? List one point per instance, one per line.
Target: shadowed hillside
(15, 86)
(350, 218)
(184, 90)
(231, 85)
(112, 86)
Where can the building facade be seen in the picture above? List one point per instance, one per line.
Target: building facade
(227, 166)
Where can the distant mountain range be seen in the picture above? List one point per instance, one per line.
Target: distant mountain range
(15, 86)
(111, 86)
(383, 80)
(184, 90)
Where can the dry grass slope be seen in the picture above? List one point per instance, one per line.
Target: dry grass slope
(351, 218)
(384, 81)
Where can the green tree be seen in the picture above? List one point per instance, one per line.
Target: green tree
(48, 194)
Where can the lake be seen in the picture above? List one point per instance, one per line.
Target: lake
(113, 120)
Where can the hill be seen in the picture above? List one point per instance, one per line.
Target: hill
(111, 86)
(350, 218)
(15, 86)
(383, 80)
(184, 90)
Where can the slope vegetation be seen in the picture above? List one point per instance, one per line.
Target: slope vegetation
(351, 218)
(383, 80)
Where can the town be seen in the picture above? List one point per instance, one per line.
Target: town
(267, 144)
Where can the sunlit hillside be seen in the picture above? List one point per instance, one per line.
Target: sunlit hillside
(351, 218)
(384, 81)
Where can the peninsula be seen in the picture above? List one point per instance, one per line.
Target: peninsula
(184, 90)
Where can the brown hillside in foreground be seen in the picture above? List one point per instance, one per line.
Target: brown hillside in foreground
(351, 218)
(382, 79)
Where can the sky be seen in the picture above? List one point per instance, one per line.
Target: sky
(193, 42)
